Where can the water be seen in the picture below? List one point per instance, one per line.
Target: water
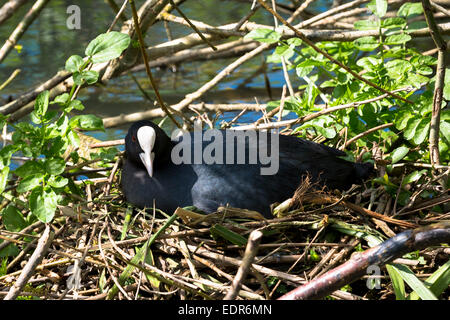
(48, 43)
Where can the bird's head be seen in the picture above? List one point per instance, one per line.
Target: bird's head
(147, 145)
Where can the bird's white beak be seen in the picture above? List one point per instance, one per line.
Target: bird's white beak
(146, 137)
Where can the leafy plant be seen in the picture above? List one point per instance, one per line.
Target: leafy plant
(385, 60)
(41, 180)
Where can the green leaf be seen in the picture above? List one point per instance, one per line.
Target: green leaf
(421, 131)
(58, 181)
(88, 76)
(74, 140)
(43, 203)
(218, 230)
(29, 168)
(87, 122)
(390, 23)
(444, 128)
(378, 7)
(399, 153)
(411, 126)
(410, 9)
(397, 282)
(3, 178)
(413, 176)
(30, 182)
(294, 42)
(13, 219)
(74, 63)
(55, 165)
(61, 99)
(447, 84)
(397, 39)
(397, 67)
(76, 104)
(3, 119)
(366, 25)
(263, 35)
(424, 70)
(417, 285)
(438, 282)
(366, 43)
(303, 71)
(370, 63)
(41, 103)
(107, 46)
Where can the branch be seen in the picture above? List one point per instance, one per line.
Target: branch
(439, 84)
(22, 27)
(329, 57)
(38, 254)
(9, 8)
(356, 267)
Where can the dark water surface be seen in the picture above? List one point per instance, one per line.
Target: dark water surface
(48, 43)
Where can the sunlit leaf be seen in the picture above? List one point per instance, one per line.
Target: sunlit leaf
(107, 46)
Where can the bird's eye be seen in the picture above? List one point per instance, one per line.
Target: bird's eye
(133, 138)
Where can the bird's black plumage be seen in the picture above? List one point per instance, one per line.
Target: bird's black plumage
(208, 186)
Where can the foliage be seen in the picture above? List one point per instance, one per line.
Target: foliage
(42, 180)
(385, 60)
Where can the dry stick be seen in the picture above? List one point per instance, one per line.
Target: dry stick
(22, 27)
(356, 267)
(9, 8)
(340, 256)
(5, 243)
(147, 68)
(118, 15)
(325, 259)
(314, 115)
(299, 10)
(192, 25)
(283, 61)
(439, 8)
(112, 121)
(359, 136)
(236, 262)
(439, 84)
(11, 78)
(23, 102)
(329, 57)
(35, 260)
(31, 95)
(333, 19)
(300, 258)
(116, 282)
(328, 13)
(250, 252)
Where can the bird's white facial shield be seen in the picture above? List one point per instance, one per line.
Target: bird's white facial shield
(146, 137)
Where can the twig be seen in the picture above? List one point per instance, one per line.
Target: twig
(11, 78)
(356, 267)
(9, 8)
(329, 57)
(365, 133)
(192, 25)
(439, 84)
(21, 28)
(249, 255)
(147, 68)
(35, 260)
(440, 8)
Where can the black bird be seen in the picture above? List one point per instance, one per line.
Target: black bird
(149, 172)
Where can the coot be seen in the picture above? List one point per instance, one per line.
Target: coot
(152, 168)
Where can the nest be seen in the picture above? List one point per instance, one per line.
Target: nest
(106, 249)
